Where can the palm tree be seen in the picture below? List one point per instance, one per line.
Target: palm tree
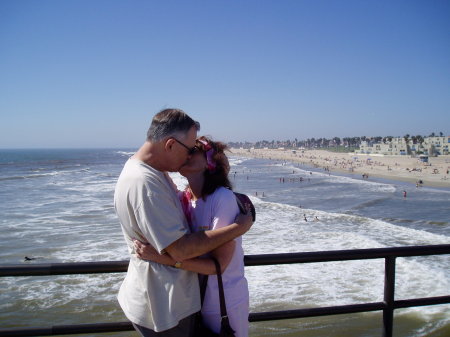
(337, 141)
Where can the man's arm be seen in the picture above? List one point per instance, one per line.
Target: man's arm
(201, 265)
(196, 244)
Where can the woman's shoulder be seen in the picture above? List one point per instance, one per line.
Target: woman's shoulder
(221, 196)
(223, 205)
(223, 192)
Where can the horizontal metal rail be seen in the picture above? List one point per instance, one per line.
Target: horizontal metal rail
(387, 306)
(68, 329)
(69, 268)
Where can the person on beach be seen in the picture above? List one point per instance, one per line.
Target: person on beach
(209, 203)
(163, 300)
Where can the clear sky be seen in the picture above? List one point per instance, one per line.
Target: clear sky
(90, 73)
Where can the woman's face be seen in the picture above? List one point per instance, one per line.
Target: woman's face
(196, 164)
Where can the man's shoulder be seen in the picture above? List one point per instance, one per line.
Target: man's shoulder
(137, 176)
(136, 169)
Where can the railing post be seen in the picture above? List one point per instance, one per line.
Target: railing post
(389, 290)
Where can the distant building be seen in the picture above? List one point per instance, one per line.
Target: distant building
(435, 146)
(396, 147)
(431, 146)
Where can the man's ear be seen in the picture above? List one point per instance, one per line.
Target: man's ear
(169, 144)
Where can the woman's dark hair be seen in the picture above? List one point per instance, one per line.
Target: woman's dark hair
(218, 176)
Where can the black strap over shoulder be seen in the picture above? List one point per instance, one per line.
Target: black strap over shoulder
(223, 307)
(243, 199)
(204, 283)
(226, 329)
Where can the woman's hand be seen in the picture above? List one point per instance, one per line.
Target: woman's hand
(245, 220)
(147, 252)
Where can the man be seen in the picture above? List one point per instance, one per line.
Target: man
(162, 300)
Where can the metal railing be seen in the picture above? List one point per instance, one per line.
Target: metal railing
(388, 305)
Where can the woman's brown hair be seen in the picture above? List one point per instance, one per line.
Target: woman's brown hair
(217, 176)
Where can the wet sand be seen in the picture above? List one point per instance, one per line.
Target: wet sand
(435, 173)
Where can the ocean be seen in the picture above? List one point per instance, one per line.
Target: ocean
(57, 206)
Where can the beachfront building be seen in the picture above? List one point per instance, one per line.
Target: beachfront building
(395, 147)
(431, 146)
(435, 146)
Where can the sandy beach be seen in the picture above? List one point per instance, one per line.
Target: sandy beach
(435, 173)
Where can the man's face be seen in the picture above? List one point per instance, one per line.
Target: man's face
(196, 163)
(183, 148)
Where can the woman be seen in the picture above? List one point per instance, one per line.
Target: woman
(209, 203)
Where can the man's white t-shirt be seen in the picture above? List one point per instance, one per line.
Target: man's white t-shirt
(153, 295)
(219, 210)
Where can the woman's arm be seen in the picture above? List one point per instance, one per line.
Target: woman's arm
(224, 254)
(201, 265)
(199, 243)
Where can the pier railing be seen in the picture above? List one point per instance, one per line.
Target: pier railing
(387, 306)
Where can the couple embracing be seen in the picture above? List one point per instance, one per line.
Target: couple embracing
(174, 236)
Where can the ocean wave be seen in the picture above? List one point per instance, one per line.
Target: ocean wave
(29, 176)
(126, 153)
(369, 203)
(235, 161)
(338, 179)
(180, 181)
(281, 228)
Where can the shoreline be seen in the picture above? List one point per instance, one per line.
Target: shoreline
(435, 173)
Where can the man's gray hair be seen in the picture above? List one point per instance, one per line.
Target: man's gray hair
(169, 122)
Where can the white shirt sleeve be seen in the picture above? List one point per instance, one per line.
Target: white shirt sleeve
(159, 217)
(224, 208)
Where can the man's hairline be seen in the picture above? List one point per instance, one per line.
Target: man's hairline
(180, 135)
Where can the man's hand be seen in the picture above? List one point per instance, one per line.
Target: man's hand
(147, 252)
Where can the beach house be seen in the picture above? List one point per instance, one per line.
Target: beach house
(431, 146)
(396, 147)
(436, 146)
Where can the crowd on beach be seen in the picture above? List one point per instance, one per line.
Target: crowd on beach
(434, 173)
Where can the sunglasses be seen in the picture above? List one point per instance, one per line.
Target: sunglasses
(190, 150)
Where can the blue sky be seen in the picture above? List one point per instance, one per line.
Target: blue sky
(90, 73)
